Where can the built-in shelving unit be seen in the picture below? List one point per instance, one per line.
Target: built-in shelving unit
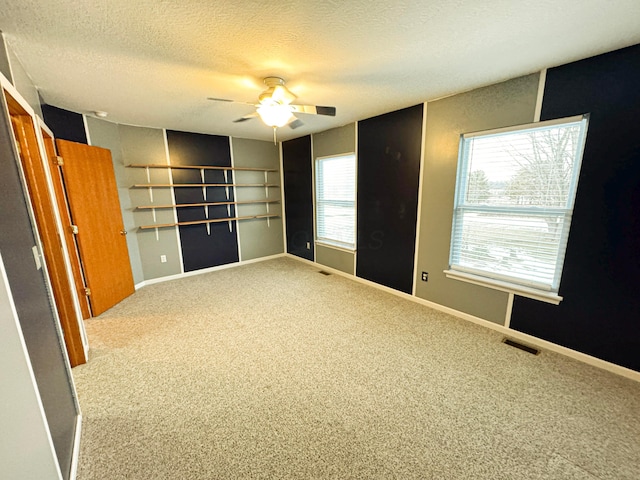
(204, 186)
(201, 167)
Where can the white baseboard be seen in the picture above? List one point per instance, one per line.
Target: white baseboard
(206, 270)
(76, 449)
(529, 339)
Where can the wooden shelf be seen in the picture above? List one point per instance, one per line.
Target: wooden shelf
(180, 185)
(203, 167)
(202, 222)
(229, 201)
(204, 204)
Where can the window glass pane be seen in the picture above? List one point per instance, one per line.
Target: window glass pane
(532, 168)
(520, 247)
(514, 200)
(335, 200)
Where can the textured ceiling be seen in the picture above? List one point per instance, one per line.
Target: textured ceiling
(154, 62)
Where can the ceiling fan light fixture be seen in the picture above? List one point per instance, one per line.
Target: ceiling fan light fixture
(275, 115)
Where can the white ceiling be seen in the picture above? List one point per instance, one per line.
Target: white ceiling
(155, 62)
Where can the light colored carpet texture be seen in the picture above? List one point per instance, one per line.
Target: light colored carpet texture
(275, 371)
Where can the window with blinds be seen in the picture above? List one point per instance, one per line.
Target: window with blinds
(336, 201)
(514, 199)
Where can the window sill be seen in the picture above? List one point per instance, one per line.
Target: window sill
(335, 246)
(532, 293)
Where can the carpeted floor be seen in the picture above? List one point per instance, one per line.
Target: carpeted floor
(273, 370)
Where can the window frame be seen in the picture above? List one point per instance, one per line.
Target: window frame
(323, 240)
(527, 288)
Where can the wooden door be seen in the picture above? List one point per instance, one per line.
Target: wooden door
(65, 218)
(44, 212)
(92, 192)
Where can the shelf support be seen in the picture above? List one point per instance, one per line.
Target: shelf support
(204, 189)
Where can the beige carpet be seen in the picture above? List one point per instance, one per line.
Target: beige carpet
(273, 370)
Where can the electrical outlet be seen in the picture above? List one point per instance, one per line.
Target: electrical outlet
(308, 245)
(163, 259)
(425, 276)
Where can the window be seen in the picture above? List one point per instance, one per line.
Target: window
(336, 201)
(513, 204)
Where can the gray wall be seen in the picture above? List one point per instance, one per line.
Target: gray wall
(5, 68)
(23, 83)
(504, 104)
(336, 141)
(25, 448)
(335, 258)
(259, 237)
(141, 145)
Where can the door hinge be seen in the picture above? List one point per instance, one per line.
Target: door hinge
(58, 160)
(87, 291)
(73, 229)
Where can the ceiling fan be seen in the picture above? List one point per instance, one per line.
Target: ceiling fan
(275, 107)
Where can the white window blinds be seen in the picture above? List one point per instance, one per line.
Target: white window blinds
(335, 201)
(514, 200)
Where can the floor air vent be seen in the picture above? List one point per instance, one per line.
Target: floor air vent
(526, 348)
(324, 273)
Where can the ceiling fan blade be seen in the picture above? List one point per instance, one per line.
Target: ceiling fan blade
(295, 124)
(226, 100)
(314, 110)
(246, 117)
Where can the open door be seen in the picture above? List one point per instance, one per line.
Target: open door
(65, 218)
(42, 201)
(92, 193)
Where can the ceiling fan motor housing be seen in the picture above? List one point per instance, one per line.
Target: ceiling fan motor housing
(277, 93)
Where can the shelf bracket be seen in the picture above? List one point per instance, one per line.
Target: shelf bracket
(268, 219)
(150, 194)
(157, 234)
(204, 189)
(208, 228)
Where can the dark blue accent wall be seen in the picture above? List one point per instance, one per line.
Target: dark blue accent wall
(64, 124)
(219, 245)
(388, 177)
(298, 188)
(600, 313)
